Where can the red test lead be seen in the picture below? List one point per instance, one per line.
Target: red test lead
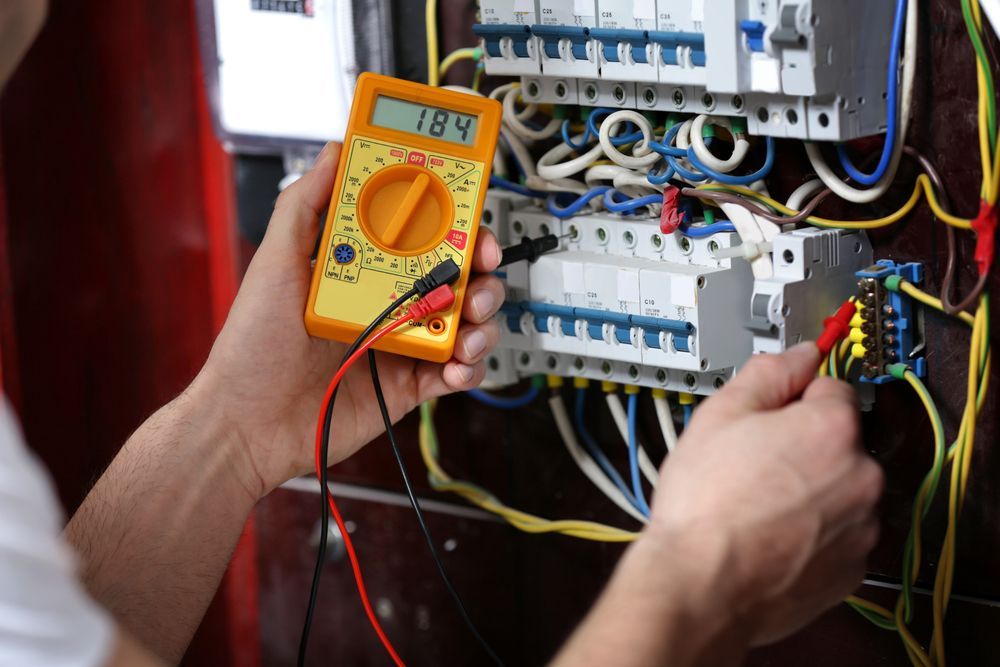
(835, 328)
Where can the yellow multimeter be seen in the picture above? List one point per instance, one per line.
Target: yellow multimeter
(409, 193)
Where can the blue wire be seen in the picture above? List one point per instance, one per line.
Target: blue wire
(628, 205)
(577, 205)
(704, 231)
(688, 410)
(587, 136)
(633, 454)
(504, 184)
(505, 402)
(891, 107)
(662, 177)
(665, 148)
(685, 173)
(630, 137)
(595, 450)
(729, 179)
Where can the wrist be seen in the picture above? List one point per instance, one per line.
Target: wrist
(689, 594)
(217, 438)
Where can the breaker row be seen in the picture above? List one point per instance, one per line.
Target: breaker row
(803, 69)
(621, 301)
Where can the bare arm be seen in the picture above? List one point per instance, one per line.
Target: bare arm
(155, 534)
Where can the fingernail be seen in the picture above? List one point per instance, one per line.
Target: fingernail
(475, 343)
(465, 373)
(483, 303)
(498, 251)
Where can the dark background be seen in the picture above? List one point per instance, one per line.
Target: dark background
(119, 255)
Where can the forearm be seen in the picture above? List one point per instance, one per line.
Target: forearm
(660, 608)
(155, 534)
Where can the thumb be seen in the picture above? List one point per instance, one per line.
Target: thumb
(767, 382)
(296, 219)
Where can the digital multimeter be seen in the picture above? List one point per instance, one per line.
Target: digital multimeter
(409, 193)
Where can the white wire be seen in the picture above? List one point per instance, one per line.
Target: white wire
(551, 168)
(642, 156)
(621, 421)
(500, 92)
(586, 464)
(520, 152)
(513, 119)
(740, 145)
(823, 170)
(620, 177)
(807, 189)
(666, 419)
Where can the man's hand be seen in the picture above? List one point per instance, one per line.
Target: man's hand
(268, 375)
(772, 486)
(762, 520)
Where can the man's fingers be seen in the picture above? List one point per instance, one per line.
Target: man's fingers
(434, 380)
(486, 257)
(767, 382)
(483, 299)
(475, 341)
(298, 208)
(827, 388)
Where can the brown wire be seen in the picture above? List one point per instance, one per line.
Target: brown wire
(757, 209)
(949, 271)
(925, 164)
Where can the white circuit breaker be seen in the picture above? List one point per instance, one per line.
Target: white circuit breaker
(621, 301)
(806, 69)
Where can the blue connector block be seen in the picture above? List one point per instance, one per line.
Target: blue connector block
(651, 327)
(896, 326)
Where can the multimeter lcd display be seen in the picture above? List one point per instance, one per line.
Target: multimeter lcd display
(427, 121)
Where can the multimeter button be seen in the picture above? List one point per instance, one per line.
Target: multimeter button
(405, 209)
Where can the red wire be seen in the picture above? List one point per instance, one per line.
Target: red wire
(348, 545)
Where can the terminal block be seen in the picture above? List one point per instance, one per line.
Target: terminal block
(885, 330)
(804, 69)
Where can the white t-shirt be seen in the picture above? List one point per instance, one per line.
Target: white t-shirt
(46, 616)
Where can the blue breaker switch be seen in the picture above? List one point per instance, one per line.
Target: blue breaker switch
(754, 31)
(493, 36)
(552, 35)
(670, 42)
(610, 39)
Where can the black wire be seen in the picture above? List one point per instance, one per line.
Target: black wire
(324, 457)
(420, 515)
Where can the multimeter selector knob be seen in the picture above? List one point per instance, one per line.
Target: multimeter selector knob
(405, 209)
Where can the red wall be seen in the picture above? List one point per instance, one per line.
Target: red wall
(116, 242)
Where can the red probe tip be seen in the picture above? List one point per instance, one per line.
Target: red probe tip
(835, 328)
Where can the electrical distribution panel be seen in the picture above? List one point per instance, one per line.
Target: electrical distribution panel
(805, 69)
(621, 301)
